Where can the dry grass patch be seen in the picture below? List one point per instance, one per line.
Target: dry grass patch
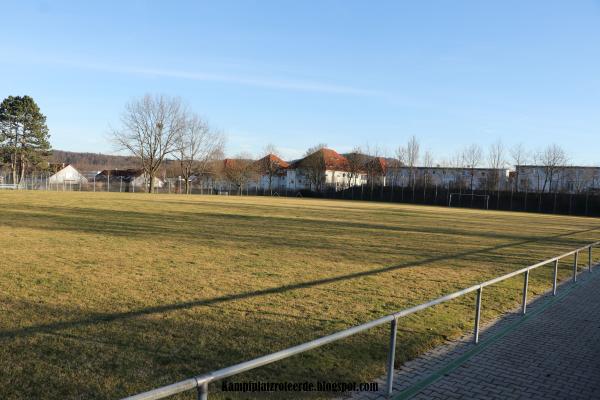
(104, 294)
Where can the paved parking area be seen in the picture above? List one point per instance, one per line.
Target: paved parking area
(551, 353)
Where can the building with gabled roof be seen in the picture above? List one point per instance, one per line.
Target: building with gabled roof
(65, 174)
(272, 159)
(272, 173)
(323, 169)
(376, 170)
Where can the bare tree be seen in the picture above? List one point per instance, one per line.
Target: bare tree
(472, 156)
(412, 158)
(374, 167)
(207, 162)
(356, 164)
(401, 164)
(393, 172)
(427, 171)
(150, 130)
(456, 163)
(239, 171)
(539, 172)
(270, 165)
(197, 145)
(395, 169)
(497, 162)
(553, 159)
(314, 166)
(519, 156)
(579, 179)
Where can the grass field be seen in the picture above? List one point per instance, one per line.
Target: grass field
(105, 294)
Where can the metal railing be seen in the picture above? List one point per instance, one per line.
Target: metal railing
(200, 383)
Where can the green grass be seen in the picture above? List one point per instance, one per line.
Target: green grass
(103, 295)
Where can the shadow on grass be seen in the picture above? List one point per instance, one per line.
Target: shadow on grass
(108, 362)
(111, 317)
(107, 355)
(184, 225)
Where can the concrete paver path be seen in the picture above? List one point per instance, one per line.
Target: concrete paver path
(551, 353)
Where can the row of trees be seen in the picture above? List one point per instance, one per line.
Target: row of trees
(156, 127)
(362, 161)
(551, 158)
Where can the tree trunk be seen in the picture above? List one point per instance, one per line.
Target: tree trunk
(15, 156)
(21, 171)
(151, 184)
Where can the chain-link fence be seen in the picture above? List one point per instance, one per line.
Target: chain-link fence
(585, 203)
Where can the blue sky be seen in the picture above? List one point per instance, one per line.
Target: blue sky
(297, 73)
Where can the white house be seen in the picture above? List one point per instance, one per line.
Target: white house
(571, 179)
(272, 173)
(133, 179)
(65, 174)
(323, 169)
(464, 177)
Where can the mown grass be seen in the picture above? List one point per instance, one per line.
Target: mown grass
(105, 295)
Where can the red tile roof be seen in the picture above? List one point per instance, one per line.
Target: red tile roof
(229, 163)
(380, 165)
(272, 158)
(331, 159)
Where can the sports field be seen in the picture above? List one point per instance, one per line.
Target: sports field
(103, 295)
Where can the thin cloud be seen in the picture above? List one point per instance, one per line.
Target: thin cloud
(270, 83)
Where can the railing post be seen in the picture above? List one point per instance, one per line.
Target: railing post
(590, 259)
(203, 391)
(576, 259)
(391, 357)
(477, 316)
(525, 285)
(555, 276)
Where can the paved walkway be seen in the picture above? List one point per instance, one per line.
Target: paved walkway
(551, 353)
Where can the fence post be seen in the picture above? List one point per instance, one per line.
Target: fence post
(555, 275)
(391, 357)
(477, 315)
(575, 266)
(203, 391)
(590, 259)
(525, 285)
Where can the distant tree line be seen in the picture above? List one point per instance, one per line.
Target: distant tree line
(93, 161)
(166, 139)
